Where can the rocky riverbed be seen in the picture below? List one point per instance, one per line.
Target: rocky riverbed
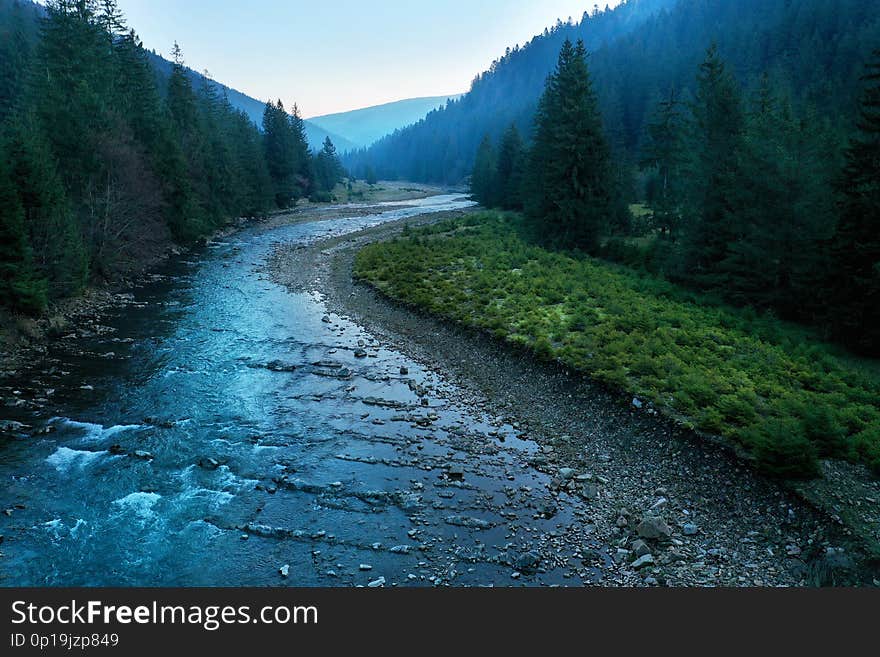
(247, 414)
(646, 502)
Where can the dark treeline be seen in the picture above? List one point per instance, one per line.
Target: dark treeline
(101, 165)
(749, 198)
(811, 49)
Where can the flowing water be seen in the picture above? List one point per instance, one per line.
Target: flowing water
(221, 428)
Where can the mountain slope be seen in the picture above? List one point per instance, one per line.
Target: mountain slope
(367, 125)
(253, 107)
(638, 51)
(33, 12)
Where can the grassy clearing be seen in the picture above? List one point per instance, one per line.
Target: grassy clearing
(772, 388)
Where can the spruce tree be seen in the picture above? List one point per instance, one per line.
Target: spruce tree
(484, 176)
(663, 156)
(303, 169)
(511, 161)
(20, 288)
(716, 133)
(571, 187)
(856, 247)
(328, 168)
(59, 254)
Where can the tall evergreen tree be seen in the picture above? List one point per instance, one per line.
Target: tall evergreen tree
(716, 133)
(781, 209)
(485, 175)
(510, 169)
(328, 168)
(304, 173)
(571, 185)
(281, 158)
(663, 156)
(15, 53)
(856, 246)
(20, 288)
(58, 252)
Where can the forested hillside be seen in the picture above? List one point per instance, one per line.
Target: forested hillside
(814, 50)
(24, 15)
(369, 124)
(102, 163)
(253, 108)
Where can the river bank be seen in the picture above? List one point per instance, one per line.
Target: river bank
(24, 338)
(721, 523)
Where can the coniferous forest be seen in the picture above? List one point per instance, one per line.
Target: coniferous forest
(103, 162)
(744, 196)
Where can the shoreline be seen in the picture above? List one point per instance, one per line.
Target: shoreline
(748, 530)
(24, 338)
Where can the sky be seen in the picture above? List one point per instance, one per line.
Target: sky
(337, 55)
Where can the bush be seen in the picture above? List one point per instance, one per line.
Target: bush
(782, 450)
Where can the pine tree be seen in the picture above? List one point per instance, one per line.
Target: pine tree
(20, 288)
(328, 168)
(484, 177)
(303, 170)
(15, 52)
(370, 176)
(781, 208)
(570, 195)
(191, 198)
(856, 247)
(716, 132)
(663, 156)
(510, 170)
(58, 251)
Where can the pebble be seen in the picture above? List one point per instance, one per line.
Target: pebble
(284, 570)
(376, 583)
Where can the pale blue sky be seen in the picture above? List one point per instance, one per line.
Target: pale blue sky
(336, 55)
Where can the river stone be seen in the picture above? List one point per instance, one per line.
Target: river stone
(360, 353)
(376, 583)
(280, 366)
(642, 561)
(455, 472)
(284, 570)
(12, 426)
(209, 463)
(566, 473)
(690, 529)
(590, 491)
(640, 548)
(467, 521)
(527, 562)
(141, 454)
(653, 527)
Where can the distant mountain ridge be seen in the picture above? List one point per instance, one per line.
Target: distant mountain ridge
(369, 124)
(638, 51)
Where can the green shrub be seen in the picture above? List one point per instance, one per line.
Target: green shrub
(782, 450)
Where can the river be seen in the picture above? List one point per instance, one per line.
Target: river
(220, 428)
